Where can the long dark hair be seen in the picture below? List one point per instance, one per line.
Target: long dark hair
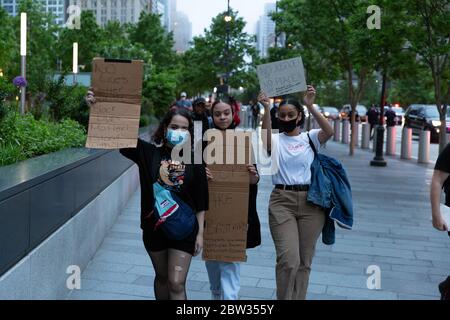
(297, 106)
(159, 137)
(227, 101)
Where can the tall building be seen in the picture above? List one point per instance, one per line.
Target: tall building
(56, 7)
(182, 31)
(180, 26)
(124, 11)
(161, 7)
(265, 33)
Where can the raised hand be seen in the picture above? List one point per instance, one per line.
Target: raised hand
(264, 99)
(309, 96)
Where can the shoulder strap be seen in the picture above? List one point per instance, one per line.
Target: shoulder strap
(313, 147)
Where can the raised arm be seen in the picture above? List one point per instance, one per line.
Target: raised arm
(266, 134)
(326, 131)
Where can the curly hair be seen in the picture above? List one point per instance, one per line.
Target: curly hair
(159, 137)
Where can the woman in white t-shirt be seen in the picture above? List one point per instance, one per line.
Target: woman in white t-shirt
(295, 224)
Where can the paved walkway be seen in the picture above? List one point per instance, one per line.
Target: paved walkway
(392, 230)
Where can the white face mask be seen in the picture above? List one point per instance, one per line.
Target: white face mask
(175, 137)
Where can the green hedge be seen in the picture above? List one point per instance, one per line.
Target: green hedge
(23, 137)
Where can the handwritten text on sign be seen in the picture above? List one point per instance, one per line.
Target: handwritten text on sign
(282, 77)
(114, 118)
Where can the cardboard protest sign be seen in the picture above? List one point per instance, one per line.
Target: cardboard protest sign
(114, 118)
(225, 235)
(282, 77)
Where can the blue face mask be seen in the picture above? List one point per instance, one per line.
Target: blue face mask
(175, 137)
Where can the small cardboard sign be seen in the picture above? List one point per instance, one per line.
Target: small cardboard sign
(114, 118)
(282, 77)
(225, 235)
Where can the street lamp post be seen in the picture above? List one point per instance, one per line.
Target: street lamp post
(276, 35)
(75, 62)
(227, 48)
(23, 54)
(378, 160)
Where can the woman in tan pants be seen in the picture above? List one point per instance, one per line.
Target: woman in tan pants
(295, 224)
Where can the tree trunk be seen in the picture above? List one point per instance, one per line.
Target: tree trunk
(443, 117)
(352, 106)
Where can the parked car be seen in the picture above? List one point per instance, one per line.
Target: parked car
(421, 117)
(330, 112)
(361, 112)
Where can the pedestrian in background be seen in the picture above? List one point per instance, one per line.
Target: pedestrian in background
(224, 277)
(390, 116)
(295, 224)
(373, 117)
(255, 113)
(200, 114)
(184, 102)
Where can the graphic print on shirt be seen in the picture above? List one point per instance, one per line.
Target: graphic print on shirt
(296, 147)
(172, 174)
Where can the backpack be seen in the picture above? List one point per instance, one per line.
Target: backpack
(176, 218)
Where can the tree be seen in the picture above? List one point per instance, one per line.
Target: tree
(41, 43)
(209, 58)
(429, 38)
(8, 44)
(88, 37)
(328, 33)
(150, 33)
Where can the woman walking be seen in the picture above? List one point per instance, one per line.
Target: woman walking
(224, 277)
(295, 224)
(187, 184)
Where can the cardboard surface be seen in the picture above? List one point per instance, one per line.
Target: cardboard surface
(282, 77)
(114, 118)
(225, 235)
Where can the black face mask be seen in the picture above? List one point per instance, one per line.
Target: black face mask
(287, 126)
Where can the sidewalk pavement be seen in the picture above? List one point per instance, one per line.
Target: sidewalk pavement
(392, 230)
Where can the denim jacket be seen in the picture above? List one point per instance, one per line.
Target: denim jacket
(331, 190)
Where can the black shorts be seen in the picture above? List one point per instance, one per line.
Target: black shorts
(156, 240)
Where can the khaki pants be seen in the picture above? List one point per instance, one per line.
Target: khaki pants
(295, 226)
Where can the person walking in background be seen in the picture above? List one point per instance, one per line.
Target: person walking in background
(200, 114)
(250, 114)
(295, 224)
(373, 117)
(255, 114)
(439, 181)
(390, 116)
(184, 102)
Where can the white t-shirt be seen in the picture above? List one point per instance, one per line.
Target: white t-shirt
(293, 157)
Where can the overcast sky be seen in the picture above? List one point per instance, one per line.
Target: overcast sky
(201, 12)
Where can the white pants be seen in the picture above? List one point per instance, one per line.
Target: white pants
(224, 279)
